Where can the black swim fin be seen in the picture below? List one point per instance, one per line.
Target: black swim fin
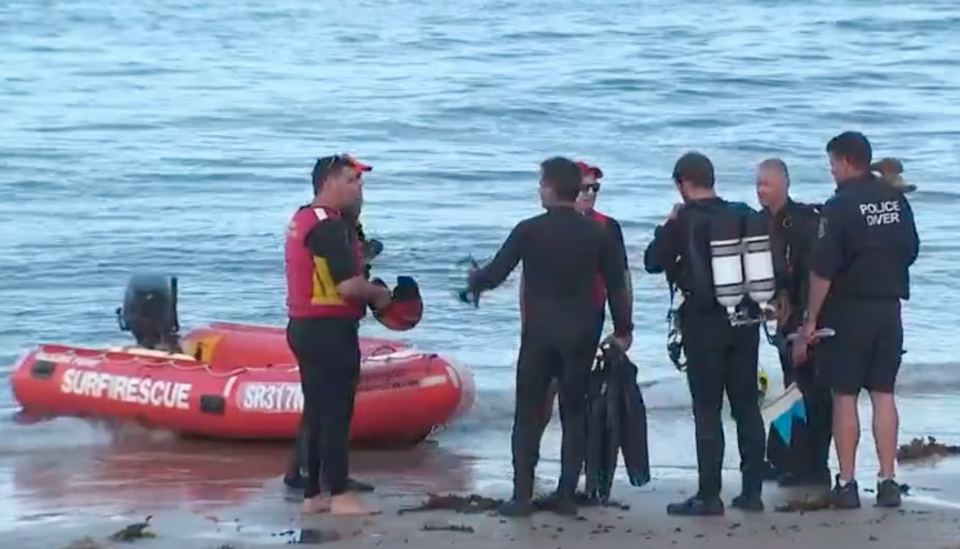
(634, 436)
(466, 295)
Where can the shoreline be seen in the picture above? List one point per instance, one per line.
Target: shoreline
(269, 517)
(65, 480)
(91, 482)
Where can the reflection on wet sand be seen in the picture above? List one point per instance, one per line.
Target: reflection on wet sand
(133, 471)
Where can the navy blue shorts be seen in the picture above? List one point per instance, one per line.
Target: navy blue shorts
(866, 351)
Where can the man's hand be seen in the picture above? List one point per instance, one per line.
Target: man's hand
(799, 352)
(808, 332)
(623, 342)
(382, 297)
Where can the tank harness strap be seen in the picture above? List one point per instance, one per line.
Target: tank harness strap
(674, 336)
(775, 339)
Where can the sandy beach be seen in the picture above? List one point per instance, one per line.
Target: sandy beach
(261, 522)
(66, 480)
(205, 501)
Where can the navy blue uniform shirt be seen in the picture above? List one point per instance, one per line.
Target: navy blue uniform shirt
(866, 241)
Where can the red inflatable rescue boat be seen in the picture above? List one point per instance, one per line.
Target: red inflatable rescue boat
(225, 345)
(233, 380)
(404, 394)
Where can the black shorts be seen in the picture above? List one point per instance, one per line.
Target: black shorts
(866, 351)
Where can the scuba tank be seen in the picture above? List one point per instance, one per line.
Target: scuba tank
(742, 262)
(726, 262)
(758, 272)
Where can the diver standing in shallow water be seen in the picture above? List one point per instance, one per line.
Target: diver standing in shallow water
(700, 248)
(562, 252)
(793, 231)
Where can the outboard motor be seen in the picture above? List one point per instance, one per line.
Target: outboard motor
(149, 312)
(758, 263)
(726, 250)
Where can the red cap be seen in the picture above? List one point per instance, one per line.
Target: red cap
(328, 163)
(587, 169)
(356, 164)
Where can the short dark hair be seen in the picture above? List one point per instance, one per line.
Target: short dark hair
(331, 165)
(779, 164)
(563, 176)
(854, 147)
(696, 169)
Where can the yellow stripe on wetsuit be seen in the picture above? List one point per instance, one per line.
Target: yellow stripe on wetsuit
(324, 288)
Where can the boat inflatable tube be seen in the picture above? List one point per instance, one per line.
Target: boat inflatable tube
(403, 394)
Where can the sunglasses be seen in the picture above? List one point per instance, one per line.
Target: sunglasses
(328, 163)
(592, 188)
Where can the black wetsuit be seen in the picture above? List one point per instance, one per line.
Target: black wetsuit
(720, 358)
(793, 231)
(562, 253)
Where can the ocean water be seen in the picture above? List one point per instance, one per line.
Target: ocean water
(176, 136)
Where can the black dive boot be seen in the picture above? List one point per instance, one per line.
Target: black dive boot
(521, 504)
(749, 498)
(697, 506)
(517, 508)
(295, 476)
(559, 503)
(354, 485)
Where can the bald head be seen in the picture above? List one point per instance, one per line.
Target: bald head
(773, 182)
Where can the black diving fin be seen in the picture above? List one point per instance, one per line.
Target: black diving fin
(465, 295)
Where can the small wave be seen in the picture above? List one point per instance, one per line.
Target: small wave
(494, 407)
(931, 378)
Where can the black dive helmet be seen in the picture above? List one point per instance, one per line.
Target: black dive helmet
(149, 312)
(742, 265)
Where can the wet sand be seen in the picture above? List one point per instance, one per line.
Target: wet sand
(204, 500)
(84, 481)
(262, 522)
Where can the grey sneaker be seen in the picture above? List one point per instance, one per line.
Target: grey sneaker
(889, 494)
(845, 496)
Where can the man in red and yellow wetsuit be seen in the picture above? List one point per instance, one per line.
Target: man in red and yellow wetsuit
(589, 188)
(327, 295)
(294, 477)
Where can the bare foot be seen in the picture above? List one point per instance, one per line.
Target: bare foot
(315, 506)
(349, 505)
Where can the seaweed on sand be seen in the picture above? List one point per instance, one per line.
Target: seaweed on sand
(806, 505)
(461, 528)
(135, 531)
(469, 504)
(919, 448)
(130, 532)
(475, 503)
